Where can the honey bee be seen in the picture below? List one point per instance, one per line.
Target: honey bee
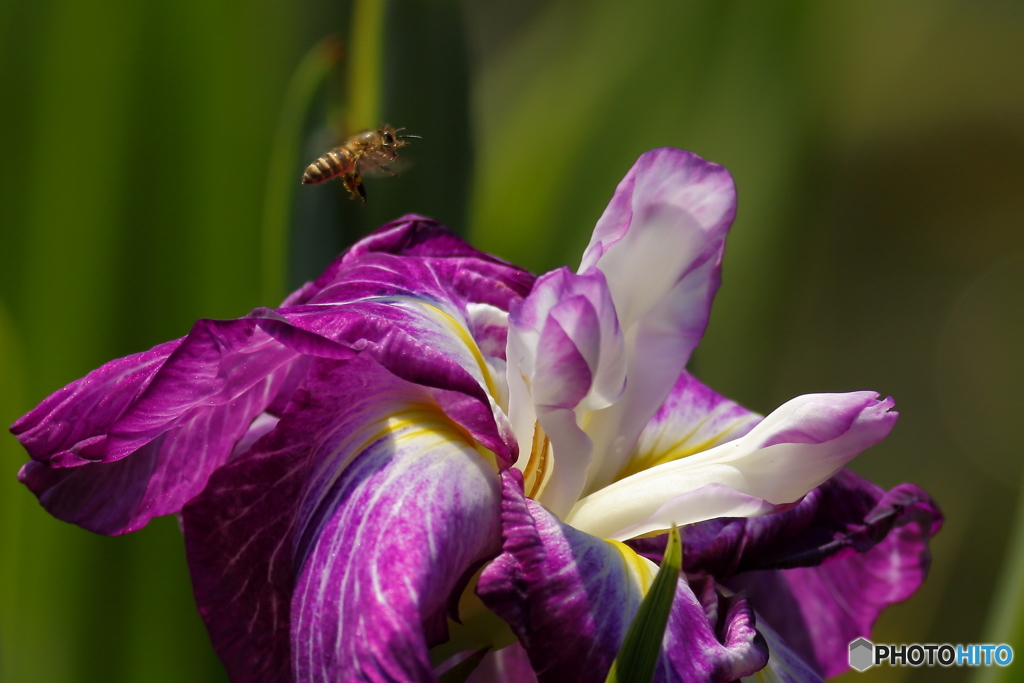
(370, 150)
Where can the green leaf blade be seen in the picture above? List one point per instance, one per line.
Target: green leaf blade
(638, 655)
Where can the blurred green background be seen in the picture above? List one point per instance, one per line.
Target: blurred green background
(878, 147)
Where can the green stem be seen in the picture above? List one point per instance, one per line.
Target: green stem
(365, 65)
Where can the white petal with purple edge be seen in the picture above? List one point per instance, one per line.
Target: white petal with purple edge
(797, 447)
(566, 354)
(659, 244)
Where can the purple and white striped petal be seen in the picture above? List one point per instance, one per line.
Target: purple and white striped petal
(570, 598)
(330, 549)
(797, 447)
(419, 339)
(659, 244)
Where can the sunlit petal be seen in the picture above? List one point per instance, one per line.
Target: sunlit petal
(797, 447)
(692, 419)
(659, 244)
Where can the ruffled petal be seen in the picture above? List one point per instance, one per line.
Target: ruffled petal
(710, 637)
(659, 243)
(570, 598)
(845, 515)
(484, 278)
(179, 418)
(329, 550)
(69, 419)
(820, 609)
(180, 408)
(796, 448)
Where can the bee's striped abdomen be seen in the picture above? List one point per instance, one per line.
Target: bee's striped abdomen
(334, 163)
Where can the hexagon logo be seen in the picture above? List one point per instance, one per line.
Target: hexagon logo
(862, 654)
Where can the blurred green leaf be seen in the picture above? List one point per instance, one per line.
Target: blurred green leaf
(281, 177)
(135, 137)
(1006, 614)
(365, 69)
(13, 499)
(638, 655)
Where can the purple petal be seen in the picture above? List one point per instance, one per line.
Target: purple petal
(239, 537)
(416, 236)
(329, 550)
(710, 637)
(420, 340)
(383, 546)
(845, 515)
(866, 565)
(570, 598)
(179, 412)
(784, 665)
(508, 665)
(181, 407)
(456, 269)
(659, 243)
(692, 419)
(850, 550)
(69, 419)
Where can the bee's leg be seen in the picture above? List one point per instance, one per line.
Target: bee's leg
(354, 185)
(382, 167)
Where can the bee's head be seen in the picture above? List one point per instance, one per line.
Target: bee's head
(390, 137)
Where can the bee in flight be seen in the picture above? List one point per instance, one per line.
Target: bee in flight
(370, 150)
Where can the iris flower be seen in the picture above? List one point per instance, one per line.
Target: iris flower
(428, 451)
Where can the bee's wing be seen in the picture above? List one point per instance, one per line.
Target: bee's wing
(373, 169)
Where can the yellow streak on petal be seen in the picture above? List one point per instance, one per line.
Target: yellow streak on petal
(488, 455)
(409, 420)
(465, 337)
(640, 570)
(415, 424)
(677, 450)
